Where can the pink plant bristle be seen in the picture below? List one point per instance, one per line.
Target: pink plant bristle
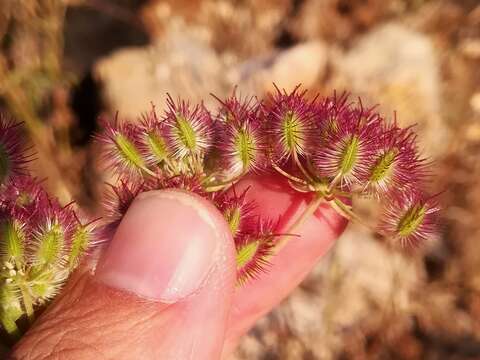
(30, 215)
(333, 146)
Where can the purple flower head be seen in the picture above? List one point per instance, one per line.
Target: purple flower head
(189, 129)
(329, 112)
(411, 218)
(237, 211)
(24, 193)
(254, 250)
(347, 146)
(154, 141)
(121, 153)
(118, 199)
(240, 142)
(396, 164)
(290, 124)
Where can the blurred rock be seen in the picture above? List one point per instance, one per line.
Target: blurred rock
(302, 64)
(471, 48)
(239, 28)
(182, 64)
(472, 133)
(399, 69)
(341, 20)
(475, 102)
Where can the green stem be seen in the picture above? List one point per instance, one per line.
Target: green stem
(302, 169)
(10, 326)
(27, 302)
(309, 211)
(220, 185)
(288, 176)
(334, 182)
(148, 171)
(347, 213)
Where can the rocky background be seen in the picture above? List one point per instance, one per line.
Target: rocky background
(65, 63)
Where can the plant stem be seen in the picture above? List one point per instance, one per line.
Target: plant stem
(347, 213)
(148, 171)
(309, 211)
(302, 169)
(288, 176)
(27, 302)
(10, 326)
(220, 185)
(334, 182)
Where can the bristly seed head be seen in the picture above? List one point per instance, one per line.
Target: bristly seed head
(290, 124)
(153, 139)
(348, 146)
(240, 143)
(254, 251)
(83, 238)
(331, 146)
(237, 211)
(410, 219)
(50, 235)
(396, 165)
(189, 129)
(121, 148)
(12, 233)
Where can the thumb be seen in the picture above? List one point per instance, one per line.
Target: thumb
(161, 290)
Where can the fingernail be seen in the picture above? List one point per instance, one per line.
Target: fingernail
(164, 247)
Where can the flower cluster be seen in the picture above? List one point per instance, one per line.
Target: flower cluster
(41, 241)
(331, 146)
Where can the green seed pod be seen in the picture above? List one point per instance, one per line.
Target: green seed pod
(12, 242)
(121, 152)
(349, 156)
(46, 284)
(252, 257)
(246, 253)
(292, 130)
(10, 307)
(157, 148)
(49, 245)
(383, 167)
(411, 220)
(185, 134)
(233, 217)
(129, 152)
(188, 129)
(81, 241)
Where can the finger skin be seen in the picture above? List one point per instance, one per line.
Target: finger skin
(276, 200)
(94, 321)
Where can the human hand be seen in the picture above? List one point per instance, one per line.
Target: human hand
(165, 286)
